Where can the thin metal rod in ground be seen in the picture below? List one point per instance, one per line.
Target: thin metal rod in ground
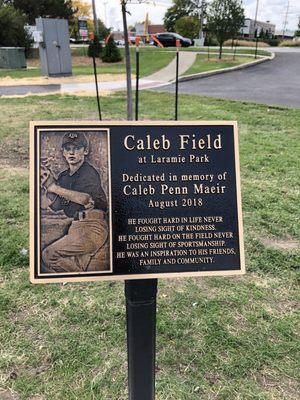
(127, 61)
(234, 53)
(176, 85)
(96, 82)
(256, 44)
(137, 55)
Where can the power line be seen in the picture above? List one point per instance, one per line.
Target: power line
(285, 20)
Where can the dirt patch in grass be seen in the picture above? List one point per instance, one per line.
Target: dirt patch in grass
(8, 395)
(76, 60)
(45, 80)
(287, 244)
(14, 152)
(220, 60)
(80, 93)
(261, 281)
(283, 388)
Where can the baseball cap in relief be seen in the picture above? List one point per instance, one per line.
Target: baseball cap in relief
(75, 138)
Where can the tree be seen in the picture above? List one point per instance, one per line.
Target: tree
(127, 57)
(225, 19)
(83, 9)
(111, 53)
(297, 32)
(43, 8)
(188, 27)
(131, 28)
(200, 7)
(103, 30)
(95, 47)
(12, 32)
(179, 9)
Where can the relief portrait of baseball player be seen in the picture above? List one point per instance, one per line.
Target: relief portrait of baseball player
(78, 193)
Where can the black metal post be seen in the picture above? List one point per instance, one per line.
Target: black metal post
(234, 52)
(176, 84)
(137, 61)
(141, 333)
(256, 44)
(96, 80)
(127, 62)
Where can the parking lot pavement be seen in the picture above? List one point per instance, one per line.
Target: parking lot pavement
(276, 82)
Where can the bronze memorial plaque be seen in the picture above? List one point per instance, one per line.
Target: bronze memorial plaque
(134, 200)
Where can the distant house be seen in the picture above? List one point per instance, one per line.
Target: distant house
(248, 30)
(152, 30)
(118, 35)
(139, 31)
(287, 34)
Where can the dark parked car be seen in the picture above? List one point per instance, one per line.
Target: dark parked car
(168, 39)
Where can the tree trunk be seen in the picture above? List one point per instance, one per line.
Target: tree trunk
(96, 26)
(201, 18)
(128, 64)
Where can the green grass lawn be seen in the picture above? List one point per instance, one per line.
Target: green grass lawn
(226, 50)
(203, 64)
(82, 51)
(215, 49)
(152, 59)
(217, 338)
(149, 63)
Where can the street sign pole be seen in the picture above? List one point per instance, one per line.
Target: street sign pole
(141, 333)
(140, 295)
(176, 82)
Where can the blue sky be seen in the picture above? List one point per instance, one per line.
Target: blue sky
(272, 10)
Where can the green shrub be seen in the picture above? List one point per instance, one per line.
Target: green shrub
(95, 47)
(245, 43)
(12, 32)
(273, 42)
(111, 53)
(210, 40)
(188, 27)
(290, 43)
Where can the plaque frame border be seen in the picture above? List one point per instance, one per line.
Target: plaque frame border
(98, 125)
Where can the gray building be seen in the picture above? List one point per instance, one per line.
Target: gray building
(250, 26)
(284, 34)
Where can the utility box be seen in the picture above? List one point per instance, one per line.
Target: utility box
(54, 46)
(12, 57)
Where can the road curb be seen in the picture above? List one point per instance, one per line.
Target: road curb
(224, 70)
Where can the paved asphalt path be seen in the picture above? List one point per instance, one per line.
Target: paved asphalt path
(275, 82)
(26, 89)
